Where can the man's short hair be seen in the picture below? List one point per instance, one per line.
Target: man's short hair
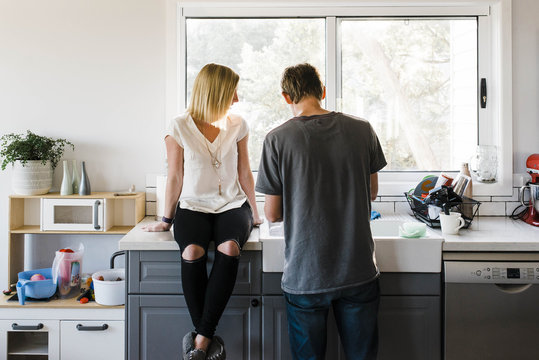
(301, 81)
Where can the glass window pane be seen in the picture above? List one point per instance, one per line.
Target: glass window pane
(258, 50)
(415, 81)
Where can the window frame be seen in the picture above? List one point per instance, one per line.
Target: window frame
(494, 64)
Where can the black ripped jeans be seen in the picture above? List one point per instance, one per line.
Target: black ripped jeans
(207, 296)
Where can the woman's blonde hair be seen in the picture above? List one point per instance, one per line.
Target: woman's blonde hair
(213, 92)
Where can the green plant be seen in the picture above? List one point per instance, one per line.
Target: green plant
(15, 147)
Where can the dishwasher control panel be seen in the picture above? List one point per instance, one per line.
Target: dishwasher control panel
(491, 272)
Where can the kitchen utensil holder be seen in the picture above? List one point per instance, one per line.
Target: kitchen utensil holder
(420, 210)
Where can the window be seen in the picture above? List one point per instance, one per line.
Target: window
(259, 50)
(413, 72)
(415, 81)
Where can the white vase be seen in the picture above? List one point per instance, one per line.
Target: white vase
(32, 178)
(67, 183)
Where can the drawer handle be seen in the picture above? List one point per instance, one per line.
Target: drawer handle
(96, 215)
(15, 326)
(81, 327)
(254, 302)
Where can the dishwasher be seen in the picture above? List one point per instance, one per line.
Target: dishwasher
(491, 306)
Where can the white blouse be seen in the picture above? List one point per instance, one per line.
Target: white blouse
(200, 190)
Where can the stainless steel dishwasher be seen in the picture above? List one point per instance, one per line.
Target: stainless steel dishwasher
(491, 307)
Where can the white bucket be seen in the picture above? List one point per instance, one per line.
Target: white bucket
(109, 291)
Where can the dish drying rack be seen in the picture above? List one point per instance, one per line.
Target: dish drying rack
(420, 210)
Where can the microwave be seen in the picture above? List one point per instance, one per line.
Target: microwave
(72, 214)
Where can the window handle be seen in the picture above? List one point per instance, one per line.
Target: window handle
(483, 93)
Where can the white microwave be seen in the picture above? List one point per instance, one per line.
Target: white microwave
(73, 214)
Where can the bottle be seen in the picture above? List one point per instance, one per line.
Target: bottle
(467, 207)
(76, 178)
(67, 187)
(84, 188)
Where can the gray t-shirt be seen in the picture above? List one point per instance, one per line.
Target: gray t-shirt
(321, 166)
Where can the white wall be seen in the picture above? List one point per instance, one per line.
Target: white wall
(525, 81)
(94, 72)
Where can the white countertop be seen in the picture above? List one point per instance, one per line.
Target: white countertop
(137, 239)
(489, 233)
(485, 234)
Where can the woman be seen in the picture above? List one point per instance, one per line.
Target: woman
(209, 172)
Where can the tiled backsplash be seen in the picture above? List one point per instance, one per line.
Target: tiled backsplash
(490, 205)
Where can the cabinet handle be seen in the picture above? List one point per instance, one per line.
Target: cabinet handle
(96, 215)
(254, 302)
(15, 326)
(81, 327)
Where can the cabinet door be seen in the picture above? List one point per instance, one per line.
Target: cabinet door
(409, 328)
(157, 324)
(36, 339)
(276, 345)
(106, 336)
(159, 272)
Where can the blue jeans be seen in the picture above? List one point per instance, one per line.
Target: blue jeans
(356, 315)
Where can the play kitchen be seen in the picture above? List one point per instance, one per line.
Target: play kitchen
(68, 294)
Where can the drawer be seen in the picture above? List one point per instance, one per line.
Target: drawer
(90, 340)
(390, 284)
(159, 272)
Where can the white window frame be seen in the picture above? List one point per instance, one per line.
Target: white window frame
(494, 64)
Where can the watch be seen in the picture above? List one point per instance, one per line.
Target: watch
(167, 220)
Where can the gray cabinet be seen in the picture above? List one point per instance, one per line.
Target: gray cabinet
(159, 272)
(409, 319)
(254, 324)
(409, 328)
(158, 318)
(275, 343)
(410, 316)
(157, 324)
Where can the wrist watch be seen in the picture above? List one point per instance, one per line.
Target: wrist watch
(167, 220)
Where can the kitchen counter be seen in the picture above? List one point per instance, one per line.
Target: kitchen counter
(488, 233)
(137, 239)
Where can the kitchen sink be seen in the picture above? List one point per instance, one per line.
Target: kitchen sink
(393, 253)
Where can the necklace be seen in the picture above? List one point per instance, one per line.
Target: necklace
(215, 158)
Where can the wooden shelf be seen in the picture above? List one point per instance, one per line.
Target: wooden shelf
(29, 348)
(35, 229)
(94, 195)
(51, 304)
(120, 213)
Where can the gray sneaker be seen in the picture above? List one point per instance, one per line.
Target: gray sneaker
(189, 351)
(196, 354)
(188, 342)
(216, 351)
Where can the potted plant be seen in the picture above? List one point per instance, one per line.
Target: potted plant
(33, 158)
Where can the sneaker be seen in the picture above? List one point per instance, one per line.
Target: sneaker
(188, 343)
(216, 351)
(195, 354)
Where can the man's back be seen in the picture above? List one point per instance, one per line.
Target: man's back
(321, 165)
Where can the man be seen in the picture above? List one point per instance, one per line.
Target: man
(319, 173)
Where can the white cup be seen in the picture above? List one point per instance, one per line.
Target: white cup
(451, 223)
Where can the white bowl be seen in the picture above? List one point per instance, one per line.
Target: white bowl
(109, 291)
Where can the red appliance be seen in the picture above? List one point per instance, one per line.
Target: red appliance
(531, 215)
(532, 167)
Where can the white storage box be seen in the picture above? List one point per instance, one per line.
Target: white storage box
(109, 291)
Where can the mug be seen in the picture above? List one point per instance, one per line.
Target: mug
(451, 223)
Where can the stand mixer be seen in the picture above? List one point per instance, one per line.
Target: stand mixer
(531, 214)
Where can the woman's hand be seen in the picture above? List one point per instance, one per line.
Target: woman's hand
(157, 226)
(257, 221)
